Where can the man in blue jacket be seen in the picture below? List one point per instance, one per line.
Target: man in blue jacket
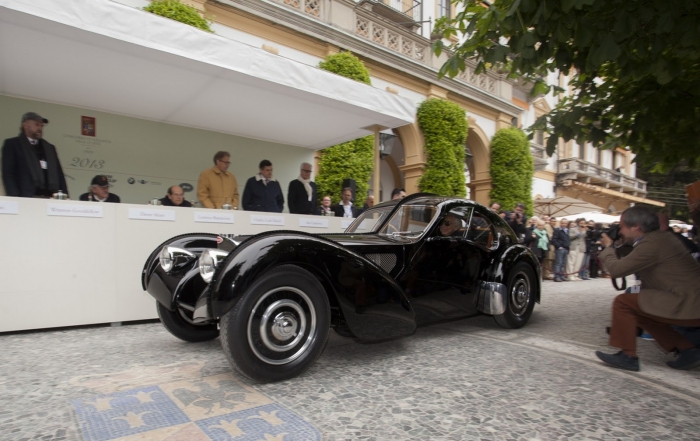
(30, 165)
(262, 192)
(561, 242)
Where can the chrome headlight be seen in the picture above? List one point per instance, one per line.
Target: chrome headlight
(171, 257)
(208, 261)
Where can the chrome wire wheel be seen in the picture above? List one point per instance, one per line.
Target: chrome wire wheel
(282, 325)
(519, 296)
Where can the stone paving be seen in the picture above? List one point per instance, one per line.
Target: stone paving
(462, 380)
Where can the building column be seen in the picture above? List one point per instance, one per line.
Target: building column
(412, 174)
(480, 191)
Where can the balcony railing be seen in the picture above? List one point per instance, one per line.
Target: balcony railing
(587, 172)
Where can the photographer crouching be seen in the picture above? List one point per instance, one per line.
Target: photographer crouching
(669, 293)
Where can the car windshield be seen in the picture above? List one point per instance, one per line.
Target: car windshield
(407, 223)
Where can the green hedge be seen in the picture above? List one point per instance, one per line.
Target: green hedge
(177, 11)
(346, 65)
(352, 159)
(444, 126)
(512, 169)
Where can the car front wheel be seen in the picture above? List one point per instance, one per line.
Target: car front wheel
(180, 324)
(279, 327)
(521, 299)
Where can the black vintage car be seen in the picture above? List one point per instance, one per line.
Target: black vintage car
(273, 297)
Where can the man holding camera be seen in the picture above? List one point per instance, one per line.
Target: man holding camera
(669, 293)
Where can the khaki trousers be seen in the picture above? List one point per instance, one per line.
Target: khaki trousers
(626, 317)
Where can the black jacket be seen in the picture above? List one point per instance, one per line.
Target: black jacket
(298, 198)
(110, 198)
(340, 211)
(560, 239)
(260, 197)
(21, 173)
(166, 202)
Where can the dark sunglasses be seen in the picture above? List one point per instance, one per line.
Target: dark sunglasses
(446, 223)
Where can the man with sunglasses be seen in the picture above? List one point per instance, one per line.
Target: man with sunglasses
(217, 186)
(450, 226)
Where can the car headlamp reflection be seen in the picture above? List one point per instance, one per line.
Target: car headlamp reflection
(172, 257)
(208, 261)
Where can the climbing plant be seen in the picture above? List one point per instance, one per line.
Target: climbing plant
(511, 169)
(352, 159)
(177, 11)
(444, 126)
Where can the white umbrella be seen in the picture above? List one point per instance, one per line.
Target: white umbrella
(562, 206)
(599, 217)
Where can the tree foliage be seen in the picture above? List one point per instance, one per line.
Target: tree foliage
(634, 66)
(512, 169)
(444, 126)
(177, 11)
(352, 159)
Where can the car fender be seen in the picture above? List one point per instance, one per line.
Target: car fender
(371, 303)
(513, 255)
(167, 288)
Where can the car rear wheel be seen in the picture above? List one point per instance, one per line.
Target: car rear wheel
(279, 327)
(521, 298)
(179, 323)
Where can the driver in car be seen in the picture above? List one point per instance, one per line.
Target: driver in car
(450, 226)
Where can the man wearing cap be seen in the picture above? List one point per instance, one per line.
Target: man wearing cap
(30, 165)
(99, 191)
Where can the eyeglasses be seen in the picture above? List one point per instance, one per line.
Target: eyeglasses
(307, 171)
(225, 162)
(446, 223)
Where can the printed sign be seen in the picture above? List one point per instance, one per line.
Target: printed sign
(214, 217)
(256, 219)
(313, 222)
(92, 210)
(148, 214)
(8, 207)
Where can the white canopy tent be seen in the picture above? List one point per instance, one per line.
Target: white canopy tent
(106, 56)
(599, 217)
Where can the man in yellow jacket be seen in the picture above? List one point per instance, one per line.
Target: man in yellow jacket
(217, 186)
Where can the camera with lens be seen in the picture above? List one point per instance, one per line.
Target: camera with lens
(613, 232)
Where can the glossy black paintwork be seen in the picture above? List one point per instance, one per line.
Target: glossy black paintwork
(432, 279)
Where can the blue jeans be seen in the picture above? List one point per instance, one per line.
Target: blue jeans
(584, 265)
(560, 263)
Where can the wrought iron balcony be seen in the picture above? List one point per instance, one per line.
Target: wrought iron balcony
(582, 171)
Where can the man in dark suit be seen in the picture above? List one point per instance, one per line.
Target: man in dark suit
(262, 192)
(668, 295)
(30, 165)
(345, 208)
(302, 196)
(175, 198)
(561, 242)
(99, 191)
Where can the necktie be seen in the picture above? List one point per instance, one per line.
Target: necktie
(32, 141)
(266, 181)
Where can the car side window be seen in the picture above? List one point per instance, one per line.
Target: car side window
(480, 230)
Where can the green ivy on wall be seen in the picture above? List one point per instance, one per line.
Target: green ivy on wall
(512, 169)
(177, 11)
(352, 159)
(444, 126)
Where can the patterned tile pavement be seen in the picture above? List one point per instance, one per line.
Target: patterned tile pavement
(462, 380)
